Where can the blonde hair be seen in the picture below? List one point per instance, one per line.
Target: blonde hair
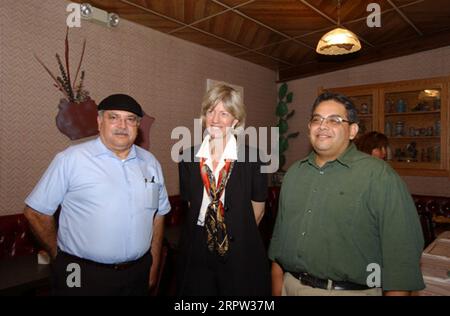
(231, 100)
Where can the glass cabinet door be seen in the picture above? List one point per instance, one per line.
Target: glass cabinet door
(412, 119)
(364, 106)
(414, 115)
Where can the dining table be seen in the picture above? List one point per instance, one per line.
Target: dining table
(435, 266)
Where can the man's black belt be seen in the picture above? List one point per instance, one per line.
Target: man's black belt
(116, 266)
(309, 280)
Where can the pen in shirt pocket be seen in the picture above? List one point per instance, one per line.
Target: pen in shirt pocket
(151, 181)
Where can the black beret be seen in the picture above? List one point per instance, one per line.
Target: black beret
(121, 102)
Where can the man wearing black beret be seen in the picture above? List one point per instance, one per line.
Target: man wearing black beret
(113, 201)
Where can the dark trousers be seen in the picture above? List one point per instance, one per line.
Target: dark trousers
(76, 276)
(206, 274)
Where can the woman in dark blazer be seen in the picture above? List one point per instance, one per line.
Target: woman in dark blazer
(220, 248)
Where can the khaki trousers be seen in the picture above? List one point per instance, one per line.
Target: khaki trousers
(293, 287)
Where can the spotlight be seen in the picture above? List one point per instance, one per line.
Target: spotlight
(99, 16)
(86, 10)
(113, 19)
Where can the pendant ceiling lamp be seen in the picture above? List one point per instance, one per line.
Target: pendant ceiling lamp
(339, 41)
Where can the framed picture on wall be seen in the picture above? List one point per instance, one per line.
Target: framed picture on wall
(211, 83)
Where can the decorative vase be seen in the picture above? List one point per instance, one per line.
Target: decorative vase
(401, 106)
(437, 128)
(77, 120)
(399, 128)
(388, 128)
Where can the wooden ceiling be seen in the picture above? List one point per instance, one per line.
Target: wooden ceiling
(282, 34)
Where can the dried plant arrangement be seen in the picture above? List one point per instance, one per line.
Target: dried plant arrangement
(73, 91)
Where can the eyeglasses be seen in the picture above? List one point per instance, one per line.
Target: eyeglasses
(332, 120)
(115, 119)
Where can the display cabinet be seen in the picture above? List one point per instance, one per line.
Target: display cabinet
(366, 100)
(413, 114)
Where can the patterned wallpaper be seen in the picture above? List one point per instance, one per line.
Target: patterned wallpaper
(166, 75)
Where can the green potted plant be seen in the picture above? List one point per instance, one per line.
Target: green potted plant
(283, 114)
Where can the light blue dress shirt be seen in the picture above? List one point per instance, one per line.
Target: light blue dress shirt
(107, 204)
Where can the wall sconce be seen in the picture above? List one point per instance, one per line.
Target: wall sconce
(99, 16)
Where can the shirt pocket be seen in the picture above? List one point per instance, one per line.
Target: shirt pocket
(151, 200)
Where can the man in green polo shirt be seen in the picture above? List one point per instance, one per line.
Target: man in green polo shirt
(346, 222)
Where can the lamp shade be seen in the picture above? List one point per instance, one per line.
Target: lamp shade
(338, 42)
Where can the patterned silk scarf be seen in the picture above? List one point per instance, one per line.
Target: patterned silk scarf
(217, 237)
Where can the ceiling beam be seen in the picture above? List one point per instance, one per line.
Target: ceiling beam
(227, 9)
(404, 17)
(204, 32)
(403, 48)
(265, 26)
